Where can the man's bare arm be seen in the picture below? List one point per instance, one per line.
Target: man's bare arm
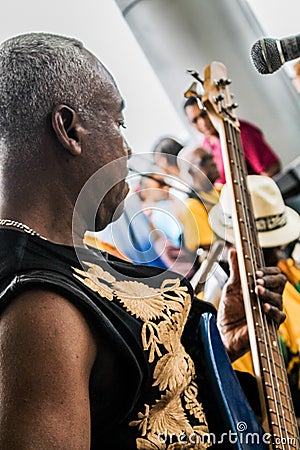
(47, 352)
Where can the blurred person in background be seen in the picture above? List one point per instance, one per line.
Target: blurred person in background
(260, 158)
(163, 211)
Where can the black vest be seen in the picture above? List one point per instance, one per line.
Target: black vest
(149, 386)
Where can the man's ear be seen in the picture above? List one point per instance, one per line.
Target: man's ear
(68, 128)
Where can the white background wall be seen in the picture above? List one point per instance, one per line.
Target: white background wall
(101, 27)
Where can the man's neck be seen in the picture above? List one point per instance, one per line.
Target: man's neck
(53, 223)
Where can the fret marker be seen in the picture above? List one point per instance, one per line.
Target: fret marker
(275, 343)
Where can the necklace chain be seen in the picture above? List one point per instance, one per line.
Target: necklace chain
(21, 226)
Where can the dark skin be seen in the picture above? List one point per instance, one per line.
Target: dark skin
(48, 353)
(231, 315)
(48, 348)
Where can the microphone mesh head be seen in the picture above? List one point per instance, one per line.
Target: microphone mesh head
(265, 56)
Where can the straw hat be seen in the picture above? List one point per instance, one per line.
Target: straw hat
(277, 224)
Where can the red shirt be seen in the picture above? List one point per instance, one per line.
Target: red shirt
(258, 154)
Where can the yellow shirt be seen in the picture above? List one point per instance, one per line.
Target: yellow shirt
(194, 218)
(289, 330)
(93, 241)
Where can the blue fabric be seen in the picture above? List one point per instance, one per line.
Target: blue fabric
(164, 220)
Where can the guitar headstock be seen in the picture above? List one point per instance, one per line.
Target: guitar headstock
(216, 97)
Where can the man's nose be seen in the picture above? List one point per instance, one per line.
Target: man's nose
(127, 148)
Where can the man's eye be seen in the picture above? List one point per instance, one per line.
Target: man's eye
(121, 123)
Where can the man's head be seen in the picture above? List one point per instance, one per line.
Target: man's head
(153, 189)
(60, 112)
(38, 72)
(198, 168)
(165, 154)
(203, 160)
(198, 117)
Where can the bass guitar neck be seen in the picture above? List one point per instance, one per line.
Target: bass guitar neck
(276, 403)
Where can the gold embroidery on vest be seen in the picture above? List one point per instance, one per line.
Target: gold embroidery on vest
(91, 280)
(174, 370)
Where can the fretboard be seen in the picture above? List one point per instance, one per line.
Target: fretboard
(278, 417)
(276, 402)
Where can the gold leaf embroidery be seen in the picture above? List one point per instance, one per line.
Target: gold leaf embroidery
(143, 444)
(168, 414)
(140, 300)
(191, 442)
(151, 340)
(92, 282)
(174, 286)
(91, 279)
(192, 404)
(172, 371)
(164, 312)
(142, 421)
(169, 334)
(99, 272)
(203, 442)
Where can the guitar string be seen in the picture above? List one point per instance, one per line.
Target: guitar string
(246, 231)
(256, 256)
(287, 408)
(253, 257)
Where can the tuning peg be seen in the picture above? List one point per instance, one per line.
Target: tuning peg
(233, 106)
(195, 74)
(192, 72)
(222, 82)
(219, 98)
(192, 91)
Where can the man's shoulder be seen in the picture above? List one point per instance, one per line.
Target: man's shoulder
(47, 345)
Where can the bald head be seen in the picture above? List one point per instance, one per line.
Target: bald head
(37, 72)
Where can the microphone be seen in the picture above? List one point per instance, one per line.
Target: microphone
(269, 54)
